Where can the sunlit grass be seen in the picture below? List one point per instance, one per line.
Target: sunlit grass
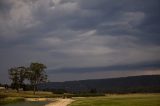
(120, 100)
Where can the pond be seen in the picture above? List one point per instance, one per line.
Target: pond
(28, 103)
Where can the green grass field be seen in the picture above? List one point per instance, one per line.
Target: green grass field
(120, 100)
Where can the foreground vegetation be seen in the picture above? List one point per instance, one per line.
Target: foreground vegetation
(120, 100)
(10, 100)
(109, 100)
(28, 94)
(12, 96)
(35, 74)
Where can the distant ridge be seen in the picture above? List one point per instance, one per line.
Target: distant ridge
(131, 84)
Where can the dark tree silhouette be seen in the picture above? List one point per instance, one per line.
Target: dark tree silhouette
(36, 74)
(17, 75)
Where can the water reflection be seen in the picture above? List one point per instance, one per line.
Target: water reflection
(26, 103)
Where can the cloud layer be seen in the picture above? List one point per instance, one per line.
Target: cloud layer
(80, 34)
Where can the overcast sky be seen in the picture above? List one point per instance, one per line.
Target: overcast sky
(81, 39)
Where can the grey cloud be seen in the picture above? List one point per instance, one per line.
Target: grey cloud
(5, 6)
(79, 34)
(154, 65)
(100, 75)
(113, 11)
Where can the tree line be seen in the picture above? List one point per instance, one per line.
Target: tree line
(34, 74)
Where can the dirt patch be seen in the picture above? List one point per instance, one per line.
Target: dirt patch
(60, 102)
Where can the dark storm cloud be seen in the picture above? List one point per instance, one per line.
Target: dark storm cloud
(127, 67)
(5, 6)
(80, 34)
(100, 15)
(113, 18)
(147, 29)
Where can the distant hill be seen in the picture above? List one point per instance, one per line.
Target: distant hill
(134, 84)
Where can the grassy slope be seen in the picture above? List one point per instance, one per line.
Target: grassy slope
(120, 100)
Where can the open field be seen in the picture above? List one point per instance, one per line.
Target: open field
(119, 100)
(108, 100)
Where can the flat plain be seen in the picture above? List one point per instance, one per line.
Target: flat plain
(119, 100)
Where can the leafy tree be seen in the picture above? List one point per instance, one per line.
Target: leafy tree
(14, 76)
(17, 75)
(36, 74)
(22, 75)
